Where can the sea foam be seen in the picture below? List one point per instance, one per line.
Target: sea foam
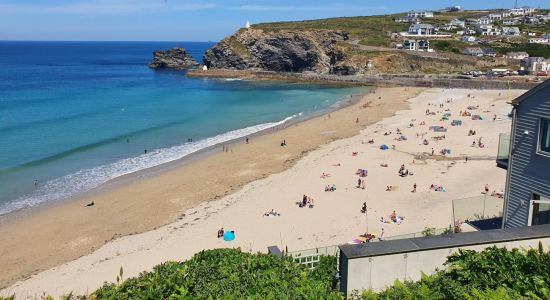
(84, 180)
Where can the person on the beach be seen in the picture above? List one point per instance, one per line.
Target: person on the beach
(414, 188)
(364, 208)
(90, 204)
(246, 140)
(357, 121)
(35, 183)
(145, 151)
(220, 232)
(486, 188)
(432, 151)
(358, 182)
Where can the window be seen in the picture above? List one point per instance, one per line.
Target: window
(544, 136)
(539, 210)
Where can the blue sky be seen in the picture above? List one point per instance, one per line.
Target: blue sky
(187, 20)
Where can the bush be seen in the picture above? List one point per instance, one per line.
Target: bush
(228, 274)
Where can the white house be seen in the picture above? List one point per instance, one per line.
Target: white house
(517, 11)
(517, 55)
(468, 39)
(537, 40)
(407, 19)
(495, 17)
(510, 22)
(511, 31)
(528, 10)
(483, 21)
(473, 51)
(534, 65)
(488, 30)
(457, 23)
(421, 29)
(421, 14)
(417, 45)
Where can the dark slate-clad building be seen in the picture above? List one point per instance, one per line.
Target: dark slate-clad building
(527, 196)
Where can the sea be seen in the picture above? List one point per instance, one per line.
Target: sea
(75, 115)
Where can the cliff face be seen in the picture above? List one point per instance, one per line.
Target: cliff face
(177, 58)
(282, 51)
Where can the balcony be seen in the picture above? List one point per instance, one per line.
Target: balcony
(503, 150)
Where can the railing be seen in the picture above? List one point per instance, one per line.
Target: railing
(311, 257)
(477, 208)
(503, 150)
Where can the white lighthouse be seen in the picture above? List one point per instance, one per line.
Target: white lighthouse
(247, 25)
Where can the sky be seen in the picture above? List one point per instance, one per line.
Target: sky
(189, 20)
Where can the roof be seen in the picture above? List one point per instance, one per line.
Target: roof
(420, 26)
(529, 93)
(445, 241)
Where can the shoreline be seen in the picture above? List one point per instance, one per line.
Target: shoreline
(203, 153)
(29, 225)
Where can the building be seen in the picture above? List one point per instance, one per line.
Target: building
(421, 29)
(517, 55)
(517, 12)
(457, 23)
(473, 51)
(488, 30)
(420, 14)
(537, 40)
(482, 21)
(468, 39)
(510, 22)
(495, 17)
(511, 31)
(407, 19)
(417, 45)
(534, 65)
(489, 52)
(527, 195)
(531, 21)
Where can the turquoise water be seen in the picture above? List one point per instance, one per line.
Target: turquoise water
(74, 115)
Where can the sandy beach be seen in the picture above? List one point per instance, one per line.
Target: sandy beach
(187, 205)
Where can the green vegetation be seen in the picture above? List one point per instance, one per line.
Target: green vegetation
(534, 50)
(449, 46)
(228, 274)
(495, 273)
(372, 30)
(238, 47)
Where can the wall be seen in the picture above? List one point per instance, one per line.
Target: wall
(529, 171)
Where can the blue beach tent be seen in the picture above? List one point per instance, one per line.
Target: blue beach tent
(384, 147)
(228, 236)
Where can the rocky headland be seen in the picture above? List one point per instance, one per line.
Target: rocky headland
(176, 58)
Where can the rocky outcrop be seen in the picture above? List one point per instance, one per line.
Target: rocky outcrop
(281, 51)
(176, 58)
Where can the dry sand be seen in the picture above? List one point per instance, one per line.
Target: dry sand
(62, 233)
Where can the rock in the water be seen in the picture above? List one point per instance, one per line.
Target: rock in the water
(176, 58)
(281, 51)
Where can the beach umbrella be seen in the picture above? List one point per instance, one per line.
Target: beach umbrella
(228, 236)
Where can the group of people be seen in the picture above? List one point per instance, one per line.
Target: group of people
(306, 202)
(330, 188)
(360, 183)
(438, 188)
(272, 213)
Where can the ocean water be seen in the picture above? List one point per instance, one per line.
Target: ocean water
(74, 115)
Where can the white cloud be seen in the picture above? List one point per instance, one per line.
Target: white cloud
(104, 7)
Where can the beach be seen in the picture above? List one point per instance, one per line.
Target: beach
(172, 215)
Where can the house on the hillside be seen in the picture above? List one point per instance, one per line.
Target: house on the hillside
(407, 19)
(495, 17)
(535, 65)
(509, 22)
(473, 51)
(511, 31)
(481, 21)
(457, 23)
(421, 14)
(417, 45)
(516, 12)
(421, 29)
(517, 55)
(468, 39)
(527, 195)
(489, 52)
(488, 30)
(537, 40)
(531, 20)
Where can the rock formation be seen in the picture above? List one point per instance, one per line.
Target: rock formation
(176, 58)
(281, 51)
